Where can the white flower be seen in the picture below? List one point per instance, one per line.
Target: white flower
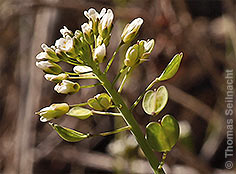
(65, 44)
(86, 28)
(65, 31)
(100, 53)
(131, 30)
(93, 15)
(67, 87)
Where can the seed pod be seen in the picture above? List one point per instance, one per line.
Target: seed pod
(68, 134)
(100, 102)
(155, 101)
(171, 68)
(80, 113)
(164, 135)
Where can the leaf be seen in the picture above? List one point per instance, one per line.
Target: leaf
(68, 134)
(79, 112)
(171, 68)
(163, 136)
(155, 101)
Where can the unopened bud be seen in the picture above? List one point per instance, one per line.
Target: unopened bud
(67, 87)
(53, 111)
(56, 78)
(88, 32)
(99, 53)
(105, 24)
(49, 67)
(131, 56)
(131, 30)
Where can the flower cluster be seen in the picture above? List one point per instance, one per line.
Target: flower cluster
(85, 50)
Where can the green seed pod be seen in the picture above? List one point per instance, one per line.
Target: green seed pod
(155, 101)
(164, 135)
(53, 111)
(171, 68)
(104, 100)
(100, 102)
(67, 134)
(80, 113)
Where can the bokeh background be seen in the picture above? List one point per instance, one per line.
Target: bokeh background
(204, 30)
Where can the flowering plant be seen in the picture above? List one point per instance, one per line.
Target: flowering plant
(86, 50)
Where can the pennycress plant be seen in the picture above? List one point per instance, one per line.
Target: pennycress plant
(85, 50)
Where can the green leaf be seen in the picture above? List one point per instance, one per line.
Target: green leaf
(155, 101)
(79, 112)
(68, 134)
(171, 68)
(164, 135)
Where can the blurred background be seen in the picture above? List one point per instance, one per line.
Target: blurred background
(204, 30)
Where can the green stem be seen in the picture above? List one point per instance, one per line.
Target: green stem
(124, 80)
(119, 74)
(129, 118)
(81, 77)
(106, 113)
(113, 57)
(90, 86)
(112, 132)
(162, 162)
(141, 96)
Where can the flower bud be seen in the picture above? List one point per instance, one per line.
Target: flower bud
(99, 53)
(65, 32)
(81, 69)
(53, 111)
(131, 30)
(48, 53)
(67, 87)
(131, 56)
(49, 67)
(105, 24)
(56, 78)
(88, 32)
